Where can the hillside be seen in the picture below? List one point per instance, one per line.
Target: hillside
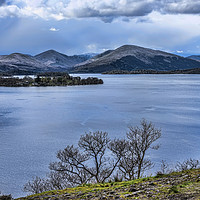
(21, 63)
(177, 185)
(194, 57)
(48, 61)
(130, 58)
(58, 61)
(125, 58)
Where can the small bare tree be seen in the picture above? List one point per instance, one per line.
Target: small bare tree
(187, 164)
(164, 168)
(53, 181)
(141, 139)
(37, 185)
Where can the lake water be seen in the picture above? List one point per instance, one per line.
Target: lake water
(36, 122)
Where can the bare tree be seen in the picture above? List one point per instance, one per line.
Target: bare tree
(54, 181)
(127, 162)
(57, 181)
(37, 185)
(141, 139)
(97, 158)
(164, 168)
(95, 145)
(72, 163)
(90, 161)
(119, 149)
(187, 164)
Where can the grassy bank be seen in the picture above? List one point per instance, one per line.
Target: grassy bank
(177, 185)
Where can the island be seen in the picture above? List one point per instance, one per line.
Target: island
(48, 79)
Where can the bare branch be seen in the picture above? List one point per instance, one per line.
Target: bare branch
(141, 140)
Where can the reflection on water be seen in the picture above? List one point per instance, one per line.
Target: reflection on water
(36, 122)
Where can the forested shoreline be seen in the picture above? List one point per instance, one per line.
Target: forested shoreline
(143, 71)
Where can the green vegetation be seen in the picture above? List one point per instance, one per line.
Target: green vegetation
(50, 79)
(176, 185)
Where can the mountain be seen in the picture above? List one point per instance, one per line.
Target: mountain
(48, 61)
(194, 57)
(21, 63)
(131, 57)
(60, 62)
(124, 58)
(88, 55)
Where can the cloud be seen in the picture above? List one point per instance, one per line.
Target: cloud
(54, 29)
(182, 6)
(2, 2)
(166, 32)
(106, 10)
(91, 48)
(11, 11)
(144, 20)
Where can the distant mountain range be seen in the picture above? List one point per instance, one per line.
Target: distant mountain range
(130, 58)
(48, 61)
(124, 58)
(17, 63)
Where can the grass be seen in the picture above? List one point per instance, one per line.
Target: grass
(159, 187)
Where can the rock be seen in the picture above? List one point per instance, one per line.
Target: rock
(151, 184)
(66, 195)
(128, 195)
(132, 189)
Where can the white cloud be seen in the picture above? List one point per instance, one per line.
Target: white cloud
(54, 29)
(179, 51)
(165, 32)
(104, 9)
(11, 11)
(91, 48)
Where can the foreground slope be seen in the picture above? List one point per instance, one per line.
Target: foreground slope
(130, 58)
(177, 185)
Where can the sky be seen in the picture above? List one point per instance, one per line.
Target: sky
(93, 26)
